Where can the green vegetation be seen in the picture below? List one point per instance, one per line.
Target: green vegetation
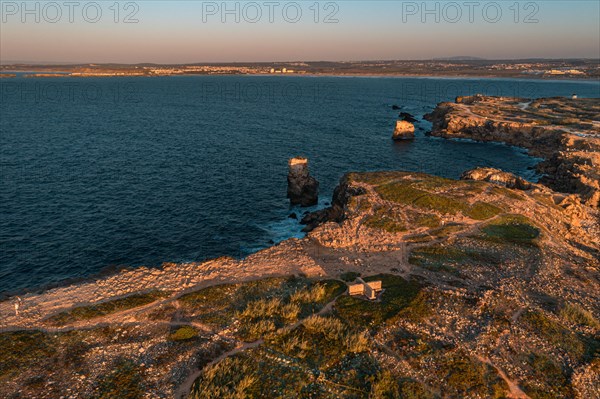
(405, 193)
(447, 258)
(359, 203)
(184, 333)
(399, 294)
(512, 228)
(316, 360)
(482, 211)
(411, 389)
(234, 377)
(506, 192)
(573, 313)
(466, 377)
(385, 219)
(320, 342)
(419, 238)
(427, 220)
(447, 230)
(265, 316)
(432, 182)
(556, 334)
(549, 379)
(125, 381)
(419, 308)
(20, 349)
(262, 307)
(105, 308)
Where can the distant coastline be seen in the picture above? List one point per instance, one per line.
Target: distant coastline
(528, 69)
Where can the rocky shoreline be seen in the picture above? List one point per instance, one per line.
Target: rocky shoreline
(565, 132)
(491, 289)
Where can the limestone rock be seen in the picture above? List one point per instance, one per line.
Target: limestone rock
(404, 131)
(303, 189)
(497, 176)
(563, 131)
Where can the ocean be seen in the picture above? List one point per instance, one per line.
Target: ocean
(99, 173)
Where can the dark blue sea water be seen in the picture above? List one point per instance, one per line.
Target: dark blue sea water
(108, 172)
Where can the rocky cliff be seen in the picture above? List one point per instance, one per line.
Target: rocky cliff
(566, 132)
(303, 189)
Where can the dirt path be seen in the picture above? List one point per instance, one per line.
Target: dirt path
(515, 390)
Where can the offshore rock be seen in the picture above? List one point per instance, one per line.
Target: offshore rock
(405, 116)
(303, 189)
(404, 131)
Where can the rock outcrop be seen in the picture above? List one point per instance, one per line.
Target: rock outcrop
(497, 176)
(404, 131)
(405, 116)
(564, 131)
(303, 189)
(334, 213)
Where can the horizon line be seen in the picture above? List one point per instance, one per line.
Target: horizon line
(451, 58)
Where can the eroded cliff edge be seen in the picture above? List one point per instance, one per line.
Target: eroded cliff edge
(565, 132)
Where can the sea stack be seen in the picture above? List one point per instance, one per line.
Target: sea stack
(303, 189)
(404, 131)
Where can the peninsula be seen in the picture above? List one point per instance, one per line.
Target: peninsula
(490, 289)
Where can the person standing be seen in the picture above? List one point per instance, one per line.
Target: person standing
(18, 305)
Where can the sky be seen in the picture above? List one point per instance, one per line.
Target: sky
(206, 31)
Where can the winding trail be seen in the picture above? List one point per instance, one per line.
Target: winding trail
(515, 391)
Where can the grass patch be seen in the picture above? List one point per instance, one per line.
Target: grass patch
(261, 306)
(551, 382)
(419, 238)
(446, 204)
(558, 335)
(105, 308)
(263, 317)
(218, 305)
(184, 333)
(482, 211)
(512, 228)
(376, 178)
(384, 219)
(427, 220)
(575, 314)
(359, 204)
(506, 192)
(20, 349)
(447, 230)
(439, 258)
(466, 378)
(124, 381)
(398, 294)
(320, 342)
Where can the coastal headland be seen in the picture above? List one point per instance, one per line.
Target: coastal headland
(491, 288)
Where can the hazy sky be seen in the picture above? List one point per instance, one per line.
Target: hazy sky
(197, 31)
